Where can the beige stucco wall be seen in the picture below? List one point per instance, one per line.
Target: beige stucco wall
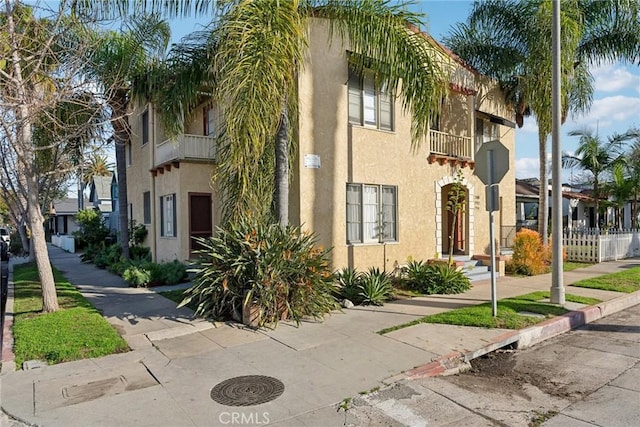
(190, 177)
(356, 154)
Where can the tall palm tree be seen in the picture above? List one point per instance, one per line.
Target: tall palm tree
(250, 61)
(119, 58)
(511, 41)
(595, 157)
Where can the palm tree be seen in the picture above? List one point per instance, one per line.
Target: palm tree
(597, 158)
(511, 41)
(119, 58)
(250, 61)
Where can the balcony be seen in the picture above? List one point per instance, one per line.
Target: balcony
(445, 147)
(185, 147)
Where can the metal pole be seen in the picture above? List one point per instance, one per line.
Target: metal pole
(494, 297)
(557, 286)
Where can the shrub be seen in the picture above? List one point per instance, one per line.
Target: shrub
(174, 272)
(435, 278)
(136, 276)
(137, 233)
(93, 231)
(140, 253)
(375, 287)
(418, 277)
(278, 271)
(447, 279)
(107, 256)
(530, 256)
(349, 281)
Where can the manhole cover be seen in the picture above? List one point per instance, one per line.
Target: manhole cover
(247, 391)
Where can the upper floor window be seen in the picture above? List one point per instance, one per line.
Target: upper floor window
(145, 127)
(209, 120)
(486, 131)
(372, 213)
(369, 104)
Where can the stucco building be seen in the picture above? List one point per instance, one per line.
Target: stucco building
(356, 181)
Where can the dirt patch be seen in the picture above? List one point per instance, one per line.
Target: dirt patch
(493, 372)
(500, 372)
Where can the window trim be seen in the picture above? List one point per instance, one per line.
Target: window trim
(357, 86)
(380, 238)
(163, 219)
(146, 207)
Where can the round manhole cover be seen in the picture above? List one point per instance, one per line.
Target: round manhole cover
(248, 390)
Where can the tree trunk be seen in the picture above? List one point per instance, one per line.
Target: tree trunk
(27, 169)
(123, 202)
(282, 169)
(121, 134)
(543, 193)
(22, 232)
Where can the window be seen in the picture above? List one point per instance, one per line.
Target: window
(145, 127)
(209, 122)
(369, 105)
(146, 207)
(129, 153)
(168, 215)
(486, 131)
(372, 213)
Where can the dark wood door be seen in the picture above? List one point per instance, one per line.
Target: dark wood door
(200, 219)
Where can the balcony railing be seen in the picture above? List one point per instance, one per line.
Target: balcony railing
(446, 144)
(186, 147)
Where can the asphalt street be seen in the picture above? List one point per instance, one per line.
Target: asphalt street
(586, 377)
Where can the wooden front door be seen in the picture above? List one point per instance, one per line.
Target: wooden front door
(200, 219)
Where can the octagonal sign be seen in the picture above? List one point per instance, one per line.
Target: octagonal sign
(492, 162)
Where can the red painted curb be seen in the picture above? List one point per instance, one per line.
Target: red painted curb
(437, 367)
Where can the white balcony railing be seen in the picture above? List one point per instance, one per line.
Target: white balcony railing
(449, 145)
(186, 147)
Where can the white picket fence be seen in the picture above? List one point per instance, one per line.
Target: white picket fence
(594, 245)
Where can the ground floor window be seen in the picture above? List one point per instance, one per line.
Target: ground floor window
(372, 213)
(168, 215)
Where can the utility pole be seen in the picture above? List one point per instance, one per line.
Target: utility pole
(557, 285)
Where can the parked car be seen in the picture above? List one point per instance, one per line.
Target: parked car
(5, 236)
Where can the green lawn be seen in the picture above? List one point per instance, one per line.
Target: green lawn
(76, 331)
(624, 281)
(508, 313)
(570, 266)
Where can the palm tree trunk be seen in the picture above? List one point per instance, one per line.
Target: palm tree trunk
(282, 169)
(543, 192)
(123, 202)
(596, 195)
(121, 133)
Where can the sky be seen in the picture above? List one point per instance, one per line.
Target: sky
(616, 101)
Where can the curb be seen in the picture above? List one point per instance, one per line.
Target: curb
(456, 362)
(7, 357)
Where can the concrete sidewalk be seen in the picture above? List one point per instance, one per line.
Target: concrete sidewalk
(177, 360)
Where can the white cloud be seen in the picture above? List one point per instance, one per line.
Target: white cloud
(609, 111)
(530, 125)
(615, 78)
(527, 167)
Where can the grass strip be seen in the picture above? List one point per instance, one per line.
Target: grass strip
(76, 331)
(508, 317)
(626, 281)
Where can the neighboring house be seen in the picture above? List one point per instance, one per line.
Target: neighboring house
(62, 219)
(578, 207)
(356, 182)
(103, 195)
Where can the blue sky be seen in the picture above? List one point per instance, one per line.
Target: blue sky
(615, 108)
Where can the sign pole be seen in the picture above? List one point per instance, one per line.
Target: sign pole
(492, 208)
